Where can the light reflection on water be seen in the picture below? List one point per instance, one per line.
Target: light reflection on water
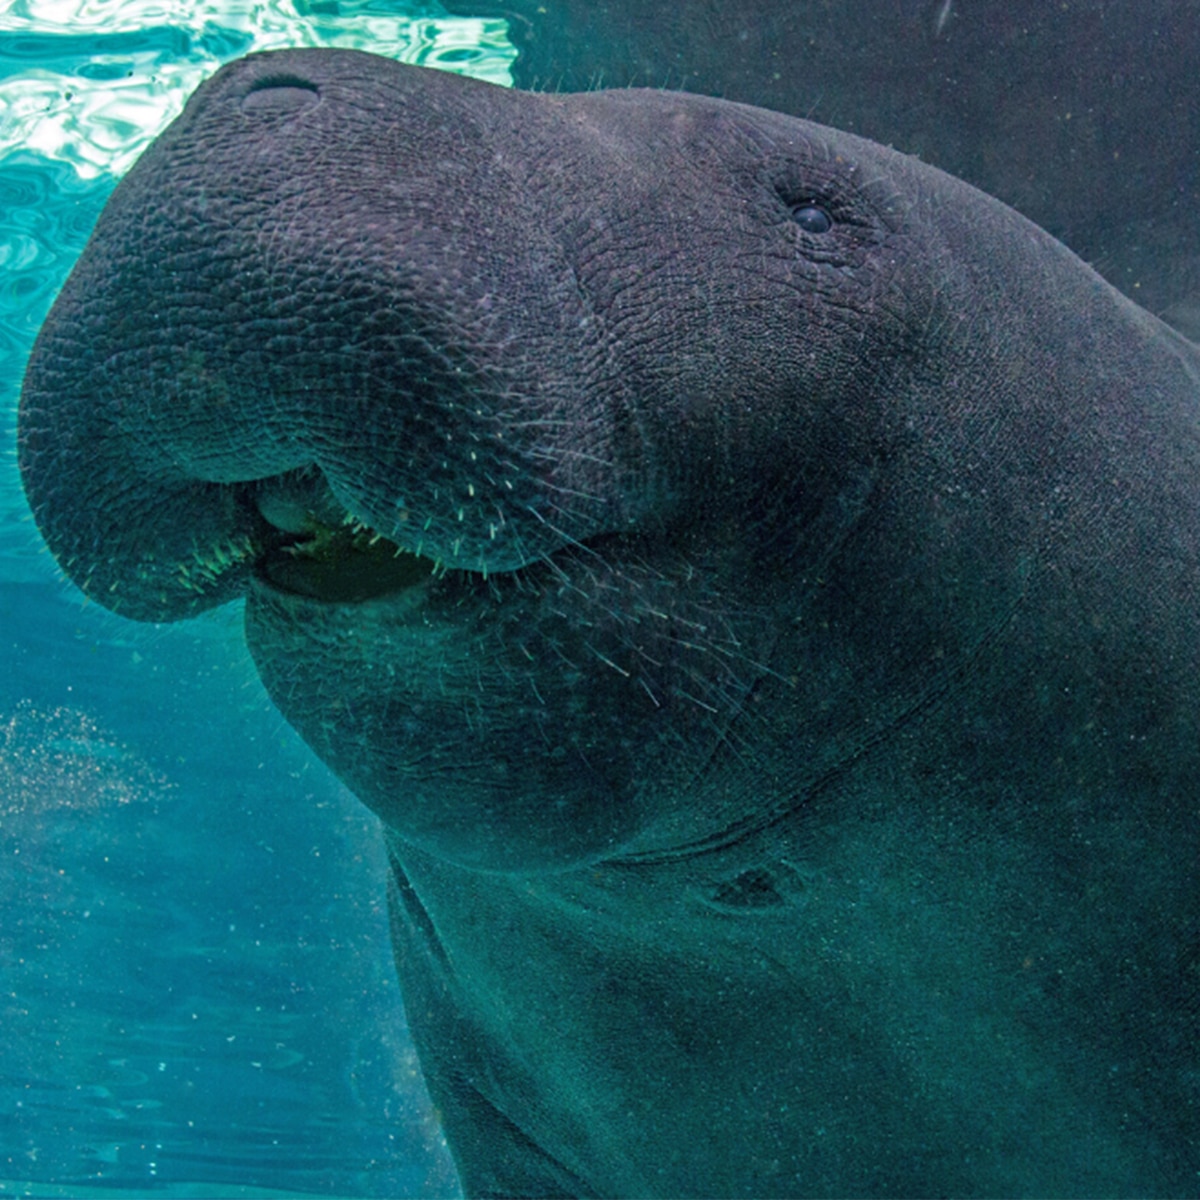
(92, 84)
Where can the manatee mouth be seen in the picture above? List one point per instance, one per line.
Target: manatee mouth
(319, 550)
(347, 564)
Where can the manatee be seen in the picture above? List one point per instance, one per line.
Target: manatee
(752, 575)
(1082, 116)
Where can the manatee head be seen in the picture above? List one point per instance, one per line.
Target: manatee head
(527, 425)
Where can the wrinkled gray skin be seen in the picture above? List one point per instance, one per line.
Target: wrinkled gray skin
(1082, 115)
(778, 668)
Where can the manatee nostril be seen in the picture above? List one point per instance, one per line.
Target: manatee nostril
(280, 96)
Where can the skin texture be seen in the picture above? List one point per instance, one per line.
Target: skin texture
(1081, 115)
(772, 650)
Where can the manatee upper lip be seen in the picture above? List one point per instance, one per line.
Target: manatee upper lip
(320, 551)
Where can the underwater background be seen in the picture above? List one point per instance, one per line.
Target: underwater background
(196, 990)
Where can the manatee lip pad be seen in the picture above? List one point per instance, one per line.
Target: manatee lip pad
(307, 407)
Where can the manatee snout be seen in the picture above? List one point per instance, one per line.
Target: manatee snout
(284, 288)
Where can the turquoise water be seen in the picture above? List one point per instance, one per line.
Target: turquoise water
(196, 993)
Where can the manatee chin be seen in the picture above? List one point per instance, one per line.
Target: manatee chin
(503, 720)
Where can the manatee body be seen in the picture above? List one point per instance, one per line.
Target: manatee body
(1082, 116)
(752, 575)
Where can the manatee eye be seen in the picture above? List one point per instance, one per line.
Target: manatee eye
(811, 218)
